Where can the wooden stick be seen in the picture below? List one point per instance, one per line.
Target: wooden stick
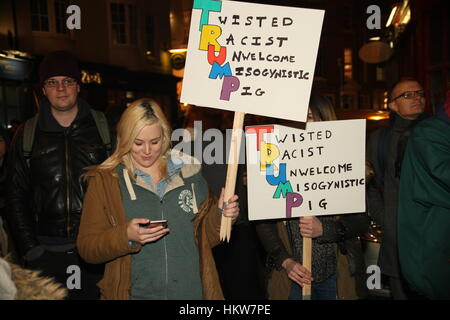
(232, 168)
(307, 263)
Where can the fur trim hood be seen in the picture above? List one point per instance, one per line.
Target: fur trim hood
(17, 283)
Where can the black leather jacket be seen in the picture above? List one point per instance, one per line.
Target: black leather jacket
(45, 199)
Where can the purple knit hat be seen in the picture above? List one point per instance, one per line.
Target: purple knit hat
(59, 63)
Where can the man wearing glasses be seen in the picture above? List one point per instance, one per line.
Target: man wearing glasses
(385, 151)
(45, 188)
(424, 206)
(408, 99)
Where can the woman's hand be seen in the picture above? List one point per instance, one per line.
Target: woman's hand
(296, 272)
(310, 227)
(144, 235)
(231, 209)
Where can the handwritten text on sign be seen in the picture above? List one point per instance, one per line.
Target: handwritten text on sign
(251, 57)
(313, 172)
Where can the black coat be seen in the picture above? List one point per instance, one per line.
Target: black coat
(385, 151)
(45, 199)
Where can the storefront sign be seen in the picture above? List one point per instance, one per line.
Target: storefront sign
(14, 69)
(87, 77)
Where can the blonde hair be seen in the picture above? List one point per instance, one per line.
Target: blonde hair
(140, 113)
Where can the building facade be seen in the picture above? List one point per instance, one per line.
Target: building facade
(122, 46)
(125, 50)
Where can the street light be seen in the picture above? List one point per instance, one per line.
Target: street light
(391, 16)
(177, 50)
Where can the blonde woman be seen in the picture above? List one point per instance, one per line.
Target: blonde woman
(139, 184)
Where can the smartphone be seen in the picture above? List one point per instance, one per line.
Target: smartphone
(155, 223)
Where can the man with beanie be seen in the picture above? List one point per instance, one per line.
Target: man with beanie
(424, 207)
(46, 187)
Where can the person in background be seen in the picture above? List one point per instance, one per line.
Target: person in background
(45, 192)
(337, 261)
(142, 183)
(17, 283)
(385, 151)
(4, 239)
(424, 207)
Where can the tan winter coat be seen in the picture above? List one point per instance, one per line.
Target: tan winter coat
(103, 237)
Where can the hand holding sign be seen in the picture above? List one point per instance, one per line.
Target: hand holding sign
(310, 228)
(296, 272)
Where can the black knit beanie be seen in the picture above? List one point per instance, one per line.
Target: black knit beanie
(59, 63)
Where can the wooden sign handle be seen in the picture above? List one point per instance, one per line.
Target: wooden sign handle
(307, 263)
(233, 162)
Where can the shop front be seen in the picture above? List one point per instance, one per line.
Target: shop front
(16, 94)
(111, 89)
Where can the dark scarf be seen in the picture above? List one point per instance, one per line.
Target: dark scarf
(407, 127)
(47, 121)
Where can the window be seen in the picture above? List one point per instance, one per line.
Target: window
(9, 100)
(118, 23)
(380, 74)
(347, 18)
(438, 42)
(437, 90)
(348, 101)
(385, 100)
(123, 23)
(150, 34)
(49, 16)
(39, 15)
(436, 38)
(186, 24)
(320, 65)
(380, 99)
(348, 66)
(61, 15)
(132, 23)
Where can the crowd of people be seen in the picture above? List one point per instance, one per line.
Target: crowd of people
(94, 210)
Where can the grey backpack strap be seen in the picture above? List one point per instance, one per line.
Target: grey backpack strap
(28, 137)
(103, 129)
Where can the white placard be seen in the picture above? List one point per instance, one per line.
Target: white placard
(313, 172)
(252, 58)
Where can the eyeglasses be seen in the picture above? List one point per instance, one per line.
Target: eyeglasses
(52, 83)
(411, 94)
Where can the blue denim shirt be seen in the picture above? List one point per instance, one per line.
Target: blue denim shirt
(173, 167)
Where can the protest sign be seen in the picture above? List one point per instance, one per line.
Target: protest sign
(252, 58)
(312, 172)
